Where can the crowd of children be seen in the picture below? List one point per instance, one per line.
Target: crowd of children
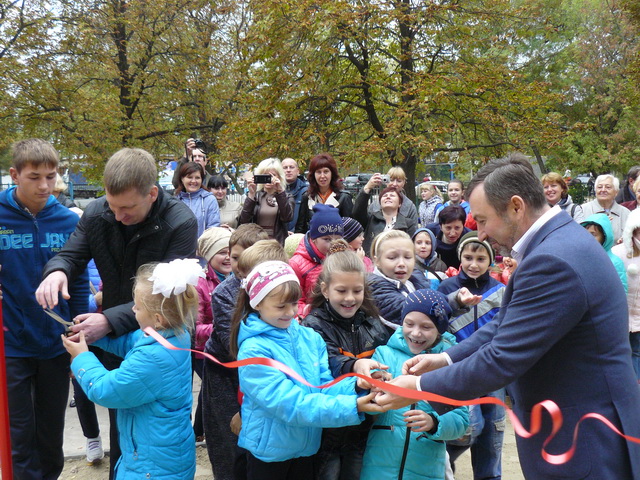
(324, 307)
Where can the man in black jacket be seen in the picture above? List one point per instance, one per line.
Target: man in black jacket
(135, 223)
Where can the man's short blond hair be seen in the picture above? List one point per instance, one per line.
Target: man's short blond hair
(34, 151)
(130, 168)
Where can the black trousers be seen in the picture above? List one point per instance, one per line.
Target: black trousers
(294, 469)
(38, 392)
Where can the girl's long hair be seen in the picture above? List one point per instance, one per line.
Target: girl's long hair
(178, 310)
(341, 259)
(290, 292)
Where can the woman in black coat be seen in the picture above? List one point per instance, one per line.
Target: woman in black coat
(324, 187)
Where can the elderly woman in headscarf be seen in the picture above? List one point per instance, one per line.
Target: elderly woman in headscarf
(607, 187)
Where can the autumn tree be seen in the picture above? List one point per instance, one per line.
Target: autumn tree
(393, 82)
(115, 73)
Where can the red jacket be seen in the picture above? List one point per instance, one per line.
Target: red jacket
(307, 263)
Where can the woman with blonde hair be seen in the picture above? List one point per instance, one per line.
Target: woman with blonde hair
(267, 204)
(556, 192)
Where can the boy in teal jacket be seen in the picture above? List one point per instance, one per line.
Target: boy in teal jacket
(409, 443)
(600, 227)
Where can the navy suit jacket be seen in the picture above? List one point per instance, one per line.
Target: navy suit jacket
(562, 335)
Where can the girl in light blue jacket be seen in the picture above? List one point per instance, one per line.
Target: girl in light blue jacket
(152, 387)
(282, 419)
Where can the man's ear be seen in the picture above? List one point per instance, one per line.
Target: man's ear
(14, 174)
(517, 204)
(154, 193)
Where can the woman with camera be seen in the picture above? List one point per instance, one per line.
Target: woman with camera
(267, 204)
(324, 187)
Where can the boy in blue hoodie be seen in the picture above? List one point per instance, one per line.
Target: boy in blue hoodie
(487, 421)
(35, 226)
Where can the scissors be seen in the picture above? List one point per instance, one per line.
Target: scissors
(67, 324)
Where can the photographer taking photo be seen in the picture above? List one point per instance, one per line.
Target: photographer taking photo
(195, 151)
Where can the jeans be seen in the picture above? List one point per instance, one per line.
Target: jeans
(38, 393)
(219, 404)
(333, 466)
(634, 339)
(487, 423)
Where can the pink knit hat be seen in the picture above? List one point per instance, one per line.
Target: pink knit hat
(265, 277)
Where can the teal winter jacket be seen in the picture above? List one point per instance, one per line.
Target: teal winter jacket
(281, 418)
(389, 453)
(604, 223)
(152, 392)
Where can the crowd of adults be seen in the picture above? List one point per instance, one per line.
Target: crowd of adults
(137, 222)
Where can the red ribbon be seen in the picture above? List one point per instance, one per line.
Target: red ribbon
(536, 413)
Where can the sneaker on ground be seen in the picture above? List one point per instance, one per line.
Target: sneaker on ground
(95, 453)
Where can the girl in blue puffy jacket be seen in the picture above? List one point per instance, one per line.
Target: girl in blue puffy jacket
(152, 387)
(282, 419)
(409, 443)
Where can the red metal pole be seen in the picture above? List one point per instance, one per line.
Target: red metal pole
(6, 467)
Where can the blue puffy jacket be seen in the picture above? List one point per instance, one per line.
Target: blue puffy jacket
(204, 206)
(26, 245)
(281, 418)
(152, 392)
(422, 456)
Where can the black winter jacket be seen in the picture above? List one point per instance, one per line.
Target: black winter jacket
(347, 339)
(345, 205)
(169, 232)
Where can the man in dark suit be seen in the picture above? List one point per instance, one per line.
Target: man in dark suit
(561, 333)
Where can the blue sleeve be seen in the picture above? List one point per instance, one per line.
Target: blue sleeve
(119, 346)
(490, 358)
(136, 382)
(451, 425)
(79, 293)
(389, 300)
(293, 403)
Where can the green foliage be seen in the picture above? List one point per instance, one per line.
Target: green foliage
(374, 83)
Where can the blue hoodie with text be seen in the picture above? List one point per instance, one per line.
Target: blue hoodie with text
(27, 243)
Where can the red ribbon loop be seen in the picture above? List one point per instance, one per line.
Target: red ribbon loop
(536, 413)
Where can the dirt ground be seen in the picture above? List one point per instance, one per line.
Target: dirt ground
(77, 469)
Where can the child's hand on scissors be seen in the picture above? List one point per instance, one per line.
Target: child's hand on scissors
(75, 348)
